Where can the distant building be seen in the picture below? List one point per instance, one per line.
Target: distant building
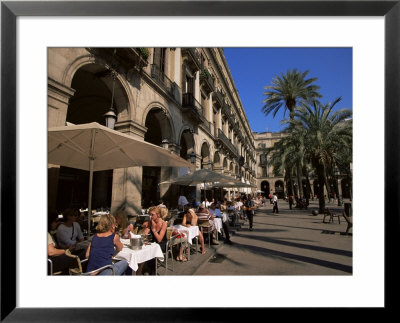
(265, 178)
(268, 182)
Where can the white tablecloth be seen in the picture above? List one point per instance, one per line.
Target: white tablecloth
(191, 232)
(135, 257)
(218, 224)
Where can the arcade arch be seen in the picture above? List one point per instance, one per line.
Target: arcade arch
(93, 84)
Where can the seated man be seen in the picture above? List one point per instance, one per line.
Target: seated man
(217, 213)
(202, 210)
(60, 261)
(69, 234)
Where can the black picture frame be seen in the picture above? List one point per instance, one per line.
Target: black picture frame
(10, 10)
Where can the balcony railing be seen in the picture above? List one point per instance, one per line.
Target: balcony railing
(158, 75)
(226, 142)
(206, 80)
(193, 57)
(192, 107)
(128, 59)
(218, 98)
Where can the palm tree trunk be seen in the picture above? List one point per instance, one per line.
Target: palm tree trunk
(291, 181)
(328, 190)
(321, 181)
(299, 181)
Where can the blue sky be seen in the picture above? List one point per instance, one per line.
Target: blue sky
(254, 68)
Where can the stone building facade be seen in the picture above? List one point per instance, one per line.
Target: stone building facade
(183, 99)
(268, 182)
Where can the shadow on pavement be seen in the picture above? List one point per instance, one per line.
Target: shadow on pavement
(289, 256)
(300, 245)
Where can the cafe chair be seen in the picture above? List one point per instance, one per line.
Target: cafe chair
(331, 215)
(50, 268)
(205, 227)
(192, 246)
(172, 240)
(76, 268)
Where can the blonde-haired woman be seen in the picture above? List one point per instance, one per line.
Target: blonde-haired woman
(158, 227)
(101, 248)
(158, 230)
(124, 227)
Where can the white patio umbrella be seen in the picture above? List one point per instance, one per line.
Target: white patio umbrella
(93, 147)
(201, 176)
(233, 185)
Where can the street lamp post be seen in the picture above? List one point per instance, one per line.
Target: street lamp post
(110, 116)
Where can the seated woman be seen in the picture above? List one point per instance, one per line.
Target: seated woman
(189, 219)
(101, 248)
(158, 230)
(123, 225)
(60, 261)
(69, 234)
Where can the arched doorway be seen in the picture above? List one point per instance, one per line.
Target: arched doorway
(187, 145)
(265, 188)
(316, 187)
(346, 188)
(92, 99)
(158, 130)
(225, 165)
(279, 189)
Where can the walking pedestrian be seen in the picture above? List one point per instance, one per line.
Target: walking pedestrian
(249, 207)
(275, 201)
(290, 201)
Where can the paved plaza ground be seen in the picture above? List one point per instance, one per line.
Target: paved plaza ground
(293, 242)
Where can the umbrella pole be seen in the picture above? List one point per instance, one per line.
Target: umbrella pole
(90, 194)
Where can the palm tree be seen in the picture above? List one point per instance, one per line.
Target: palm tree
(287, 153)
(288, 90)
(328, 138)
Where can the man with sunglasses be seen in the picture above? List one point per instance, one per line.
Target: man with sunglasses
(69, 233)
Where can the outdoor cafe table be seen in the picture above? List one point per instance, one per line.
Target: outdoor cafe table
(217, 222)
(135, 257)
(191, 232)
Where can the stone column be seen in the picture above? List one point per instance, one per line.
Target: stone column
(197, 86)
(58, 96)
(167, 62)
(170, 193)
(127, 182)
(177, 75)
(210, 109)
(220, 119)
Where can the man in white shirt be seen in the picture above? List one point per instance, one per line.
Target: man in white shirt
(239, 205)
(207, 203)
(275, 201)
(182, 201)
(217, 214)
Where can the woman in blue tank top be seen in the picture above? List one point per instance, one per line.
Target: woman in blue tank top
(101, 248)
